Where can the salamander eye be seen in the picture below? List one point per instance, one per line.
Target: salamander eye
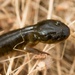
(58, 23)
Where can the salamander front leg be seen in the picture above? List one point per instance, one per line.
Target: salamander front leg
(29, 49)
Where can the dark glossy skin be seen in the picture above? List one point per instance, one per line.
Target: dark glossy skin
(47, 31)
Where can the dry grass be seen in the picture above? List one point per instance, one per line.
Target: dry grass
(16, 14)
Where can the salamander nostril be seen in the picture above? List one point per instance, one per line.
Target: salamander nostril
(58, 23)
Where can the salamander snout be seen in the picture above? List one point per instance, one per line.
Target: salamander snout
(65, 32)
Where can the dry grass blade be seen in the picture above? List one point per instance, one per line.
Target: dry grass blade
(16, 14)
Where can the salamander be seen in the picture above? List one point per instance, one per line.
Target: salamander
(46, 31)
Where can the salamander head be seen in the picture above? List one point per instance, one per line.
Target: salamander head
(52, 31)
